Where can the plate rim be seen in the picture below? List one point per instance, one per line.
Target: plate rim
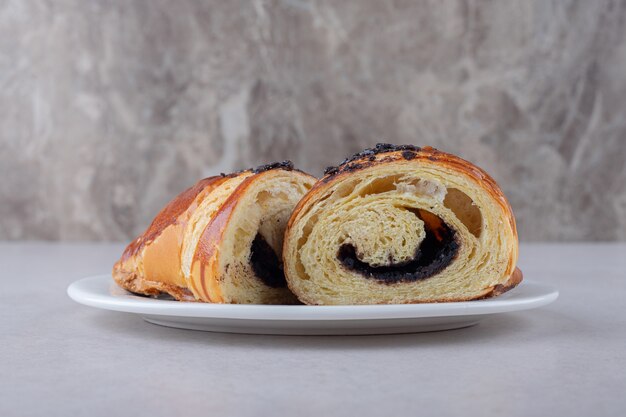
(514, 300)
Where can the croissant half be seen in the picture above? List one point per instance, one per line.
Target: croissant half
(219, 241)
(401, 224)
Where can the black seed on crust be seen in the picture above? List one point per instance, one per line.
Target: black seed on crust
(353, 167)
(286, 165)
(409, 152)
(231, 175)
(331, 170)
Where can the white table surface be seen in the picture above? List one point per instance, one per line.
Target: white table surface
(58, 358)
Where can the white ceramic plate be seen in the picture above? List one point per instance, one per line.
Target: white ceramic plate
(101, 292)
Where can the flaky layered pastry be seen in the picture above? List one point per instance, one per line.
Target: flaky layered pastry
(401, 224)
(219, 241)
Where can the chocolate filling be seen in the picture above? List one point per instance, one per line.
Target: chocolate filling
(435, 252)
(265, 263)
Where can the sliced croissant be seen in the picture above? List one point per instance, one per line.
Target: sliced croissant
(219, 241)
(401, 224)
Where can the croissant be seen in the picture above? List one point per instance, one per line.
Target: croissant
(401, 224)
(219, 241)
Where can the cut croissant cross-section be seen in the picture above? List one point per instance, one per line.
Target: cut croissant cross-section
(401, 224)
(220, 241)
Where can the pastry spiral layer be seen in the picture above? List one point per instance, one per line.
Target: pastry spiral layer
(401, 224)
(219, 241)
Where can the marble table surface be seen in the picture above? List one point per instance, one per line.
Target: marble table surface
(58, 358)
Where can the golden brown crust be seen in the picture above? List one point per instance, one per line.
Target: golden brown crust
(134, 283)
(169, 214)
(126, 272)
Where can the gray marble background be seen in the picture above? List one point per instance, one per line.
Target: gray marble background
(109, 108)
